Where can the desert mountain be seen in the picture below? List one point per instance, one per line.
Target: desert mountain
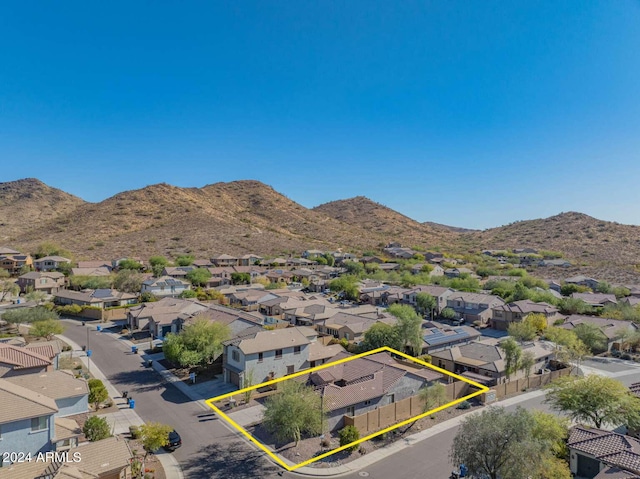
(236, 217)
(29, 201)
(372, 216)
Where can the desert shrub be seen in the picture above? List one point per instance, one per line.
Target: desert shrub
(349, 434)
(96, 428)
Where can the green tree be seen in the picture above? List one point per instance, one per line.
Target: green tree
(49, 248)
(512, 356)
(184, 260)
(8, 286)
(353, 267)
(527, 362)
(499, 444)
(448, 313)
(128, 280)
(349, 434)
(592, 336)
(153, 436)
(426, 303)
(379, 335)
(37, 296)
(567, 344)
(240, 278)
(96, 429)
(538, 321)
(594, 399)
(129, 264)
(522, 331)
(568, 289)
(330, 259)
(90, 282)
(433, 396)
(158, 263)
(199, 276)
(46, 328)
(293, 411)
(29, 315)
(97, 393)
(347, 285)
(199, 343)
(409, 327)
(188, 293)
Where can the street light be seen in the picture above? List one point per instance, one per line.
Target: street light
(88, 353)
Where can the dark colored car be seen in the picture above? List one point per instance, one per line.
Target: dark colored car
(175, 441)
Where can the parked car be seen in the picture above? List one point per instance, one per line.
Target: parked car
(175, 441)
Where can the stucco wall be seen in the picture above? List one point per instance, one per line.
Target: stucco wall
(71, 406)
(17, 437)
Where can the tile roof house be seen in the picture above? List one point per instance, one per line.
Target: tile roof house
(582, 280)
(26, 420)
(15, 360)
(15, 262)
(46, 282)
(106, 459)
(161, 317)
(343, 325)
(95, 272)
(249, 259)
(100, 298)
(96, 264)
(364, 384)
(484, 361)
(440, 294)
(595, 453)
(438, 336)
(70, 394)
(266, 354)
(177, 272)
(474, 306)
(224, 260)
(164, 286)
(49, 263)
(610, 328)
(505, 314)
(597, 300)
(457, 272)
(563, 263)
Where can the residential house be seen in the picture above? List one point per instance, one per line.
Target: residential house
(96, 264)
(4, 251)
(400, 252)
(161, 317)
(237, 321)
(15, 360)
(505, 314)
(554, 285)
(220, 276)
(631, 300)
(202, 263)
(15, 262)
(49, 263)
(474, 306)
(49, 349)
(312, 253)
(611, 329)
(48, 283)
(164, 286)
(562, 263)
(70, 394)
(439, 293)
(599, 454)
(99, 298)
(26, 420)
(320, 354)
(101, 271)
(524, 251)
(596, 300)
(177, 272)
(249, 259)
(279, 276)
(382, 295)
(307, 313)
(106, 459)
(364, 384)
(389, 267)
(266, 355)
(457, 272)
(347, 326)
(484, 361)
(371, 259)
(438, 336)
(224, 260)
(429, 255)
(341, 257)
(248, 299)
(582, 280)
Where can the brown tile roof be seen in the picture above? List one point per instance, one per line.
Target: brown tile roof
(265, 340)
(53, 384)
(65, 428)
(21, 358)
(527, 306)
(22, 403)
(318, 351)
(609, 447)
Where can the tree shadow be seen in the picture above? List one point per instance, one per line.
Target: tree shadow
(231, 460)
(138, 381)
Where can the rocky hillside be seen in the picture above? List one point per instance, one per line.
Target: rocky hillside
(372, 216)
(236, 217)
(26, 202)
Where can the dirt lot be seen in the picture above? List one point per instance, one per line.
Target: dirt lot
(202, 373)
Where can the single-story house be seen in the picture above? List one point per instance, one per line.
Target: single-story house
(438, 336)
(15, 360)
(99, 298)
(611, 328)
(164, 286)
(161, 316)
(582, 280)
(597, 300)
(101, 271)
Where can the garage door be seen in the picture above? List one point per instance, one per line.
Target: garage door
(234, 378)
(588, 467)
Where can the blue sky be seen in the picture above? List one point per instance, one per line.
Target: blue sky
(470, 113)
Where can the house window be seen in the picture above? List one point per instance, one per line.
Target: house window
(39, 423)
(367, 403)
(351, 411)
(392, 398)
(296, 350)
(346, 336)
(260, 357)
(290, 369)
(235, 355)
(278, 353)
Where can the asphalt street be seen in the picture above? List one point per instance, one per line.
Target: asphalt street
(211, 450)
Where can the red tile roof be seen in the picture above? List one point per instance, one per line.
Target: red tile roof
(21, 358)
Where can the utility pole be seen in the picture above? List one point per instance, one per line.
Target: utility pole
(88, 353)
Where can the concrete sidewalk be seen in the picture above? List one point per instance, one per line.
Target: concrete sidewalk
(121, 420)
(249, 416)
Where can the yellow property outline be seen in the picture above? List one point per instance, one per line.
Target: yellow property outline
(210, 403)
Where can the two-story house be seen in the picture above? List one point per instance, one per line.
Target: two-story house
(505, 314)
(161, 317)
(15, 262)
(224, 260)
(249, 259)
(350, 327)
(260, 355)
(439, 293)
(474, 306)
(49, 263)
(48, 283)
(26, 420)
